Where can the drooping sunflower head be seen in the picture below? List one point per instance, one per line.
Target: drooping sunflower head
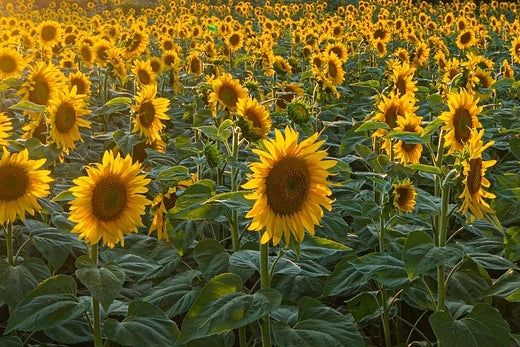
(404, 194)
(22, 182)
(290, 187)
(254, 120)
(149, 111)
(460, 119)
(226, 91)
(12, 63)
(109, 201)
(66, 113)
(474, 170)
(163, 202)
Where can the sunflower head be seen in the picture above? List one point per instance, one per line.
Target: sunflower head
(150, 111)
(109, 201)
(226, 91)
(12, 63)
(143, 73)
(290, 187)
(404, 194)
(22, 182)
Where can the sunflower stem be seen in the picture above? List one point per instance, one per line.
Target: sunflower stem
(234, 187)
(264, 283)
(98, 342)
(384, 300)
(9, 242)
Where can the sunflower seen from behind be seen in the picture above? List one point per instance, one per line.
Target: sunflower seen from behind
(22, 182)
(66, 113)
(474, 170)
(149, 111)
(290, 187)
(460, 119)
(109, 201)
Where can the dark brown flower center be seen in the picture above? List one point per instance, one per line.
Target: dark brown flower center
(146, 113)
(287, 186)
(41, 91)
(234, 39)
(405, 196)
(333, 70)
(462, 124)
(49, 33)
(65, 117)
(109, 199)
(465, 38)
(391, 116)
(144, 76)
(228, 96)
(14, 182)
(81, 88)
(400, 85)
(7, 64)
(474, 176)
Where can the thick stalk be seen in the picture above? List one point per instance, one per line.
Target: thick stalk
(234, 187)
(9, 242)
(384, 299)
(98, 342)
(264, 282)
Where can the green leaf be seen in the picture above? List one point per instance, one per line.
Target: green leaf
(514, 144)
(28, 106)
(317, 326)
(492, 261)
(11, 341)
(174, 295)
(117, 104)
(15, 283)
(421, 255)
(406, 136)
(482, 327)
(104, 283)
(191, 203)
(174, 173)
(53, 244)
(372, 125)
(135, 266)
(425, 168)
(52, 303)
(211, 257)
(507, 286)
(63, 196)
(221, 306)
(144, 325)
(72, 333)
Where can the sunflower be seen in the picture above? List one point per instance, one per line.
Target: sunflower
(408, 153)
(234, 41)
(49, 33)
(81, 82)
(334, 72)
(21, 184)
(65, 118)
(226, 91)
(421, 54)
(339, 49)
(149, 111)
(163, 203)
(157, 65)
(290, 187)
(136, 43)
(11, 63)
(404, 194)
(42, 83)
(101, 49)
(460, 119)
(402, 77)
(5, 128)
(86, 53)
(194, 63)
(515, 49)
(286, 93)
(254, 120)
(474, 169)
(109, 201)
(466, 39)
(507, 70)
(390, 109)
(171, 59)
(143, 73)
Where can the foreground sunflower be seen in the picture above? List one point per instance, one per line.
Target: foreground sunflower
(149, 111)
(474, 169)
(460, 119)
(66, 113)
(109, 201)
(21, 184)
(404, 194)
(290, 187)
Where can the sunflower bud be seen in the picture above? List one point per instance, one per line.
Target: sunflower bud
(212, 154)
(298, 112)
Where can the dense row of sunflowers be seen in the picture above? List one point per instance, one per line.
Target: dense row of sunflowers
(358, 141)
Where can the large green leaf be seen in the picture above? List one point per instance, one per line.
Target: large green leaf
(211, 257)
(482, 327)
(104, 283)
(317, 326)
(117, 104)
(52, 303)
(176, 294)
(28, 106)
(15, 283)
(53, 244)
(222, 306)
(420, 254)
(73, 332)
(11, 341)
(144, 325)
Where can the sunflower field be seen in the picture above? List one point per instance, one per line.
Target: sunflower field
(220, 173)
